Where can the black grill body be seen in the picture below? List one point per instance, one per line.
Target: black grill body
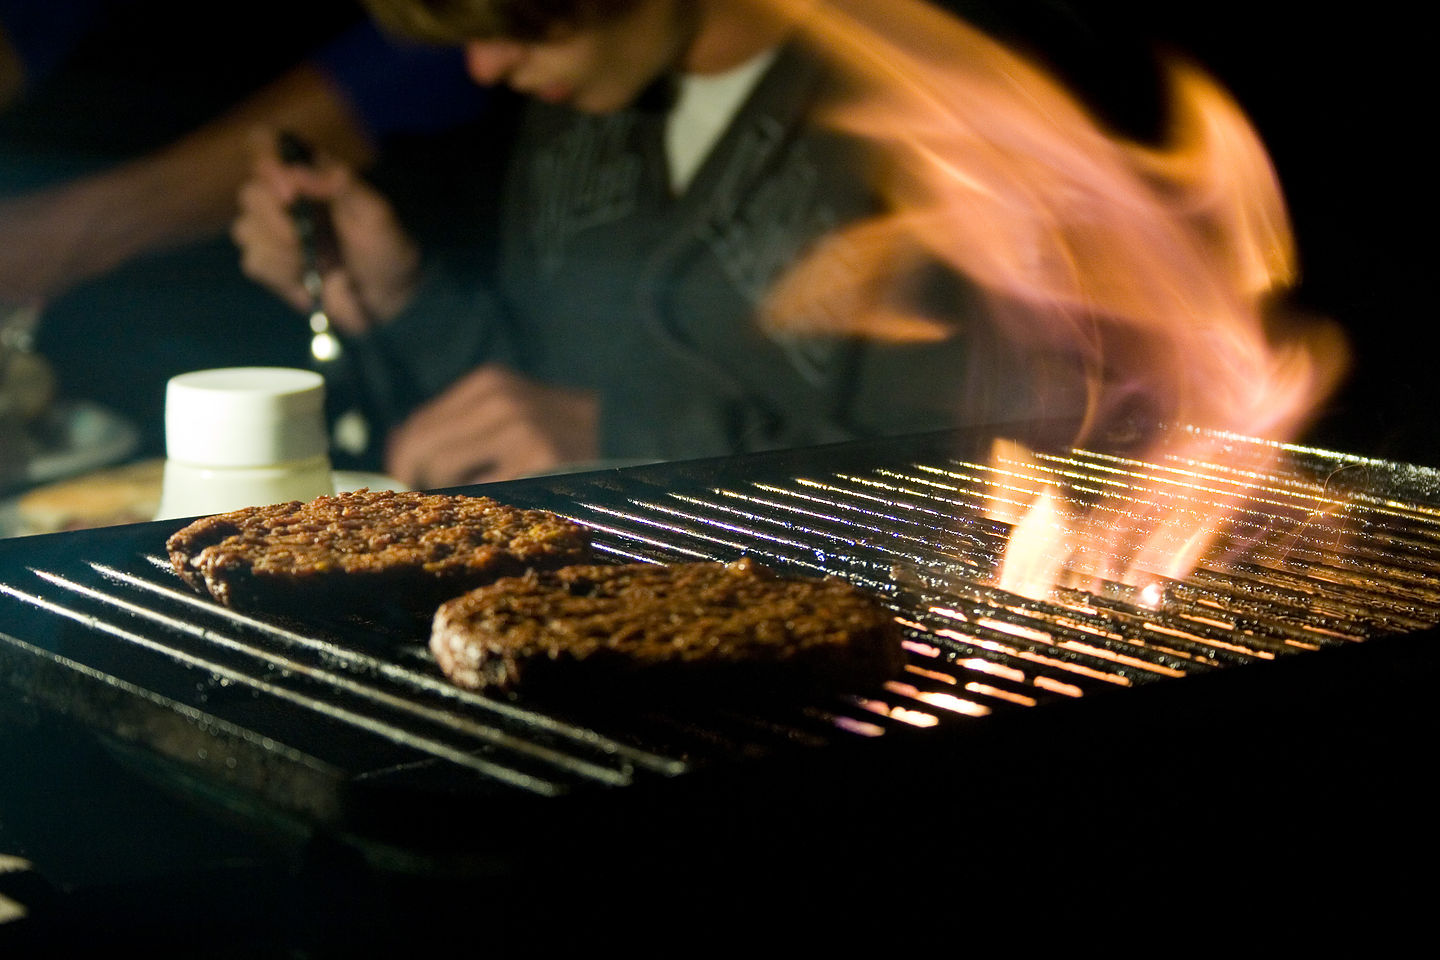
(1263, 728)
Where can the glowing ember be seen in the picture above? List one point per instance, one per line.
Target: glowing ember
(916, 718)
(945, 701)
(1056, 686)
(1128, 286)
(1151, 596)
(985, 690)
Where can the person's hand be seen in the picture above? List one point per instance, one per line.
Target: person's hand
(493, 424)
(370, 275)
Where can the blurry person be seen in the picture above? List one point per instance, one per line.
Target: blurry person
(664, 172)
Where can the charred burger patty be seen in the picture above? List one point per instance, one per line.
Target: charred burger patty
(657, 624)
(364, 552)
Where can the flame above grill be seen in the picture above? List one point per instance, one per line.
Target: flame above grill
(1137, 284)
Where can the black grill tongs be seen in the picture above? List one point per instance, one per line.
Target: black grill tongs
(312, 223)
(359, 391)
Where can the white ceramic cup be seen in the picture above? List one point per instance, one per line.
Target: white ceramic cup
(243, 436)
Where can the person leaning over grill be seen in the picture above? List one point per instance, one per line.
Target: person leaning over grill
(661, 175)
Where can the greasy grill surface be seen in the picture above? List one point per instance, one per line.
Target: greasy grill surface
(339, 722)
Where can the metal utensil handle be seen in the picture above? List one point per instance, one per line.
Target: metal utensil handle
(310, 218)
(368, 372)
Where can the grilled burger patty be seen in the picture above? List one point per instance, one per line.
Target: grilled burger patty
(368, 552)
(593, 626)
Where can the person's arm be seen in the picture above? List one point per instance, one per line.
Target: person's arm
(63, 235)
(12, 71)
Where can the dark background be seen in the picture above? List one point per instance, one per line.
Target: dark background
(1336, 93)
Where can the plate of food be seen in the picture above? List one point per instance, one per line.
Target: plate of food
(122, 493)
(72, 437)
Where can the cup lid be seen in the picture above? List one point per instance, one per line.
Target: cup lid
(245, 416)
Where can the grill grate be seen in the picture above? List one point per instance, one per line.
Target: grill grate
(1328, 551)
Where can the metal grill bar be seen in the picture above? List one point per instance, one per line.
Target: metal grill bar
(363, 718)
(411, 680)
(363, 683)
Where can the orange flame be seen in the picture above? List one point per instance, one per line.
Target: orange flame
(1133, 282)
